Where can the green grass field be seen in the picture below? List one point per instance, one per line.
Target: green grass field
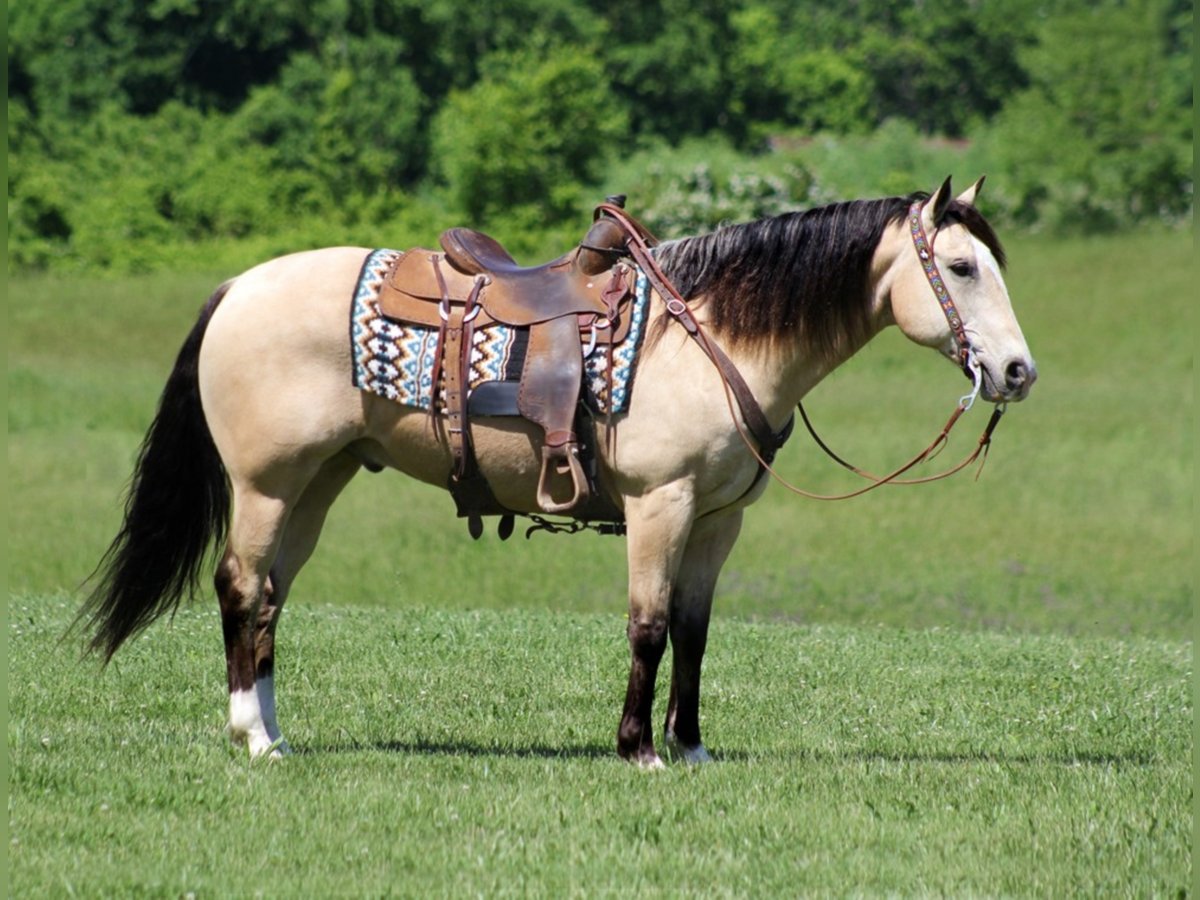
(472, 754)
(972, 688)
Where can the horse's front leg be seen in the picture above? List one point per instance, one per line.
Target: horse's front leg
(691, 605)
(658, 528)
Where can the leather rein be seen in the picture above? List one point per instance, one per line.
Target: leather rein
(736, 390)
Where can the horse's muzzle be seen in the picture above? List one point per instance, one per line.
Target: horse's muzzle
(1018, 378)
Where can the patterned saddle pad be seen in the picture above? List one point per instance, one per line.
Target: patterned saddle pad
(396, 361)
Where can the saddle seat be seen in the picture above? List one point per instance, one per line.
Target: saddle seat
(519, 295)
(476, 253)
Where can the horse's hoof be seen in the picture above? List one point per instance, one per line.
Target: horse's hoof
(262, 747)
(692, 756)
(279, 749)
(650, 763)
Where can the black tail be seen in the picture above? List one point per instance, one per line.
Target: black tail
(177, 506)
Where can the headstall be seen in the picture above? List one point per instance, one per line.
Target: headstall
(966, 352)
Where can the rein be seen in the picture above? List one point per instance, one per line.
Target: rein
(736, 389)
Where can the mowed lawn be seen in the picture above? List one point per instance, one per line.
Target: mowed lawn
(449, 753)
(972, 688)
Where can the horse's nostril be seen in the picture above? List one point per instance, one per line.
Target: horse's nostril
(1015, 374)
(1019, 375)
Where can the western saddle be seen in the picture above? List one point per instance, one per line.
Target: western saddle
(570, 306)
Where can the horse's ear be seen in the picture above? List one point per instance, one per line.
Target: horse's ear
(937, 206)
(969, 196)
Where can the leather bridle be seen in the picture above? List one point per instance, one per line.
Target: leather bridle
(924, 247)
(736, 390)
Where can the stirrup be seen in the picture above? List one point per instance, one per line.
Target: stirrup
(557, 462)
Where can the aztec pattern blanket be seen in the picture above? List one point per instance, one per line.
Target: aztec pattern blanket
(396, 361)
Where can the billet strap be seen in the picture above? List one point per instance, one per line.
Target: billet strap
(452, 363)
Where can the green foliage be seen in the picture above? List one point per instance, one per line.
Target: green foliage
(72, 57)
(348, 120)
(118, 191)
(527, 134)
(666, 60)
(463, 41)
(849, 67)
(1103, 136)
(141, 134)
(893, 160)
(780, 84)
(944, 70)
(701, 184)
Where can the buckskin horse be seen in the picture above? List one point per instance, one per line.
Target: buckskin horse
(261, 425)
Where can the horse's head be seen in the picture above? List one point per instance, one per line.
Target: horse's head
(947, 292)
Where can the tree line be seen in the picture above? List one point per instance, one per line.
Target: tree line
(142, 131)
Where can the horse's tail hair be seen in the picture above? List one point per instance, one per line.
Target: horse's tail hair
(176, 508)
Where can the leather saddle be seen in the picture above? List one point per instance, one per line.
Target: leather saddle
(571, 306)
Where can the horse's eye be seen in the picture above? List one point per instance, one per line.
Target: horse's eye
(962, 269)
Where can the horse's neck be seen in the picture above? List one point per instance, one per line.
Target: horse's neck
(800, 369)
(781, 375)
(782, 371)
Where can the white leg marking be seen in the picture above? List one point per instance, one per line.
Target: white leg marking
(246, 725)
(265, 687)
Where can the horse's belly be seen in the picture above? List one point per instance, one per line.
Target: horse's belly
(507, 450)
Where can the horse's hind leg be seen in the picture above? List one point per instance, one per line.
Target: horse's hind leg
(300, 537)
(691, 605)
(272, 534)
(243, 586)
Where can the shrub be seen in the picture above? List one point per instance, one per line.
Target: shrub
(530, 133)
(702, 183)
(1103, 135)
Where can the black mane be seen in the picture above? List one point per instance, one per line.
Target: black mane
(801, 271)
